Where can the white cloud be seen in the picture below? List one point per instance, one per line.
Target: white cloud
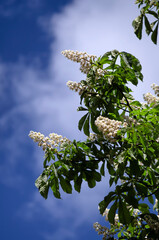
(68, 214)
(43, 102)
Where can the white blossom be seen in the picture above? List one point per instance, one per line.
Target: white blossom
(77, 87)
(83, 58)
(108, 127)
(54, 140)
(156, 89)
(149, 98)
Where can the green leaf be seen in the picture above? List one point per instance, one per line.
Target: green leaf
(102, 169)
(65, 184)
(110, 168)
(93, 126)
(147, 25)
(137, 25)
(105, 58)
(134, 136)
(54, 184)
(151, 200)
(132, 67)
(77, 183)
(153, 13)
(112, 211)
(42, 184)
(154, 35)
(157, 195)
(143, 207)
(82, 109)
(103, 204)
(91, 182)
(142, 141)
(136, 103)
(86, 127)
(124, 215)
(44, 189)
(141, 189)
(111, 180)
(81, 121)
(96, 176)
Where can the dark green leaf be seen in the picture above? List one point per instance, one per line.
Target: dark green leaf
(153, 13)
(86, 127)
(103, 204)
(144, 208)
(96, 176)
(65, 184)
(124, 215)
(111, 180)
(112, 211)
(93, 126)
(54, 184)
(77, 183)
(141, 189)
(81, 121)
(147, 25)
(110, 168)
(157, 195)
(154, 35)
(91, 182)
(151, 200)
(102, 169)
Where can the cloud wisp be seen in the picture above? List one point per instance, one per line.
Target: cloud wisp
(40, 101)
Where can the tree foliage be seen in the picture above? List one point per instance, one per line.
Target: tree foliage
(122, 136)
(149, 12)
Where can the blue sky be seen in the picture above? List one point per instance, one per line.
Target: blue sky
(34, 96)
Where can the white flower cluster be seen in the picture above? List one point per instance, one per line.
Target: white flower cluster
(102, 230)
(156, 89)
(83, 58)
(106, 216)
(130, 120)
(108, 127)
(93, 137)
(54, 140)
(77, 87)
(100, 73)
(149, 98)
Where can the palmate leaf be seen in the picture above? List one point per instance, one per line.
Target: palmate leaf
(131, 61)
